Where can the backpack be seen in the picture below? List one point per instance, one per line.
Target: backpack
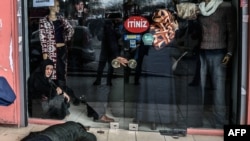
(7, 95)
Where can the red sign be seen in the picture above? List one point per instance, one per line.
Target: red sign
(136, 24)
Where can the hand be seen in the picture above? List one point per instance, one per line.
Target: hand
(59, 90)
(175, 25)
(60, 44)
(44, 98)
(65, 95)
(45, 56)
(226, 59)
(122, 61)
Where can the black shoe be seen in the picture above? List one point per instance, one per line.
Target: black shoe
(94, 115)
(90, 114)
(97, 83)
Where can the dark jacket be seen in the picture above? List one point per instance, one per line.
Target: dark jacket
(110, 40)
(38, 84)
(42, 88)
(69, 131)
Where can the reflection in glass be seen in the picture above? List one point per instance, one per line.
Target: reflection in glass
(162, 91)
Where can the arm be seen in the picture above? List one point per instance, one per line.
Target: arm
(230, 33)
(61, 92)
(68, 30)
(38, 86)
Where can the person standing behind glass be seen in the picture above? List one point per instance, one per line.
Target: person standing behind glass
(216, 49)
(110, 49)
(80, 11)
(55, 32)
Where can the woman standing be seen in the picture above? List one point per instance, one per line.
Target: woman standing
(55, 32)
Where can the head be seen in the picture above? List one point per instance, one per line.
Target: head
(56, 7)
(206, 1)
(79, 5)
(47, 67)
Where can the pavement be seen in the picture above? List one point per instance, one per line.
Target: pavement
(105, 134)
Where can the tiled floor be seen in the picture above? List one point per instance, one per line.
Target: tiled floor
(16, 134)
(78, 114)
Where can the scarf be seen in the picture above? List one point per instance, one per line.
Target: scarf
(210, 8)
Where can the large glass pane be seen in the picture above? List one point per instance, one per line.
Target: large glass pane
(160, 89)
(184, 81)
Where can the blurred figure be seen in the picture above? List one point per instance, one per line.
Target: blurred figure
(109, 49)
(79, 12)
(131, 8)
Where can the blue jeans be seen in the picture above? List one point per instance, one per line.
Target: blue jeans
(211, 65)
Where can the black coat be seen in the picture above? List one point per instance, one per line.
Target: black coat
(69, 131)
(110, 47)
(39, 85)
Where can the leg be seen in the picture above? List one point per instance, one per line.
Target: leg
(219, 84)
(92, 112)
(61, 67)
(203, 74)
(110, 73)
(101, 66)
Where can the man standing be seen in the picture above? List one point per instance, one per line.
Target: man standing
(216, 50)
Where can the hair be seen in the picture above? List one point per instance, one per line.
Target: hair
(78, 1)
(45, 63)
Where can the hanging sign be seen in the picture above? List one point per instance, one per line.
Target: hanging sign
(43, 3)
(136, 24)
